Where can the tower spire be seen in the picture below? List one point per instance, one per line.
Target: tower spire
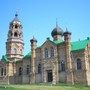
(66, 29)
(56, 22)
(16, 15)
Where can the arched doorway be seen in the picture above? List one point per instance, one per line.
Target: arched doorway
(49, 76)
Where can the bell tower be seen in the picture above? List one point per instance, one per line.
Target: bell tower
(14, 44)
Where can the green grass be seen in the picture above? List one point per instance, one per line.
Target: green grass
(44, 87)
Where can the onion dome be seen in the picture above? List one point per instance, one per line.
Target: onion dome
(33, 40)
(57, 31)
(67, 32)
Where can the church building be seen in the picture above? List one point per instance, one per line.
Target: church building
(56, 61)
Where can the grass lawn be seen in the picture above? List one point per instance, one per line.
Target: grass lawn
(44, 87)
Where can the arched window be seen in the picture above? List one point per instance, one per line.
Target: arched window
(21, 51)
(20, 71)
(16, 26)
(52, 52)
(15, 34)
(15, 51)
(20, 34)
(79, 64)
(28, 69)
(10, 33)
(46, 53)
(62, 65)
(5, 71)
(2, 71)
(39, 69)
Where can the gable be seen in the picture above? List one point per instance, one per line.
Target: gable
(53, 43)
(47, 42)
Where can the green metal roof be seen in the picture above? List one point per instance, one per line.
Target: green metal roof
(79, 45)
(75, 46)
(5, 59)
(57, 41)
(27, 56)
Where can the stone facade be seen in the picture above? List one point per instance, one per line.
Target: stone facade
(57, 60)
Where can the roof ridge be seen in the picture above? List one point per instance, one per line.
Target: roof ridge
(78, 45)
(82, 40)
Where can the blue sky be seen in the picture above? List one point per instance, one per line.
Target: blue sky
(39, 17)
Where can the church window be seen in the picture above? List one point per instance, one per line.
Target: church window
(79, 64)
(62, 65)
(15, 51)
(52, 52)
(28, 69)
(16, 26)
(5, 71)
(10, 33)
(15, 34)
(46, 53)
(21, 51)
(2, 71)
(20, 34)
(39, 69)
(20, 71)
